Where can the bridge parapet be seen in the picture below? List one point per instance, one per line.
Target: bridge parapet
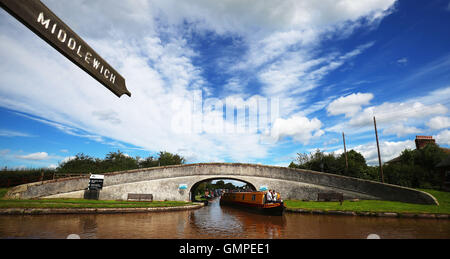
(296, 183)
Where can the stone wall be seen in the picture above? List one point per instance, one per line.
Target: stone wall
(163, 183)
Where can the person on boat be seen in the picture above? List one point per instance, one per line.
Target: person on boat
(269, 196)
(274, 196)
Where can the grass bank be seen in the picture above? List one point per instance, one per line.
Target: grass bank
(377, 205)
(82, 203)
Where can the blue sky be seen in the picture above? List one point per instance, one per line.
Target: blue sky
(198, 71)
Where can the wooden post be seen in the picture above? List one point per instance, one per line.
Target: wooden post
(378, 148)
(345, 151)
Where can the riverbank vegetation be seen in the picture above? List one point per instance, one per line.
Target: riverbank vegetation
(85, 164)
(413, 168)
(355, 206)
(82, 203)
(377, 205)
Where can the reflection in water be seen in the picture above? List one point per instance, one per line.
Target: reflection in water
(88, 225)
(227, 222)
(215, 221)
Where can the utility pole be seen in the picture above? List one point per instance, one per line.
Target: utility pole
(345, 151)
(378, 147)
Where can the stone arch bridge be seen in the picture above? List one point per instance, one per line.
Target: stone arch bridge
(164, 183)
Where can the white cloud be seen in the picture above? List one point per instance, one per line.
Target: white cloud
(388, 150)
(437, 96)
(130, 17)
(396, 112)
(264, 17)
(317, 106)
(439, 122)
(67, 159)
(12, 133)
(402, 61)
(300, 128)
(399, 118)
(34, 156)
(108, 115)
(443, 138)
(290, 74)
(74, 131)
(158, 66)
(297, 73)
(235, 86)
(400, 130)
(52, 166)
(349, 105)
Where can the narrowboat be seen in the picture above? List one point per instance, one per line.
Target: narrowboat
(253, 201)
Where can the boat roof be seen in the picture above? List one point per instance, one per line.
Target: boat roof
(246, 192)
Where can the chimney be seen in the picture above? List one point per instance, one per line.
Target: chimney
(422, 141)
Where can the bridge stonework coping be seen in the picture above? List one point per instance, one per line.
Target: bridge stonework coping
(163, 183)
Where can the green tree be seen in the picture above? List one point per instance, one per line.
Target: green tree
(220, 184)
(356, 164)
(318, 161)
(80, 164)
(416, 168)
(166, 158)
(148, 162)
(118, 161)
(329, 163)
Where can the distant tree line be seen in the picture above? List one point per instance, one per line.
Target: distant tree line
(116, 161)
(330, 163)
(413, 168)
(13, 177)
(85, 164)
(220, 184)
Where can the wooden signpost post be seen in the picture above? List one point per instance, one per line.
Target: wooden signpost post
(345, 152)
(42, 21)
(378, 148)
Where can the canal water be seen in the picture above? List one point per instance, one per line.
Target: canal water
(215, 221)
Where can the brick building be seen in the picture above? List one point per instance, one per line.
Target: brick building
(422, 141)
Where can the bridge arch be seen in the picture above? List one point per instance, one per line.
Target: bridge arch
(164, 183)
(196, 185)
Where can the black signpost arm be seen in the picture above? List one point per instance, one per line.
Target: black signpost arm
(43, 22)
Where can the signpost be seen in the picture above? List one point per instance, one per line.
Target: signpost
(96, 182)
(42, 21)
(94, 187)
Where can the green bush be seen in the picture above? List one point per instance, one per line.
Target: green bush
(116, 161)
(13, 177)
(330, 163)
(414, 168)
